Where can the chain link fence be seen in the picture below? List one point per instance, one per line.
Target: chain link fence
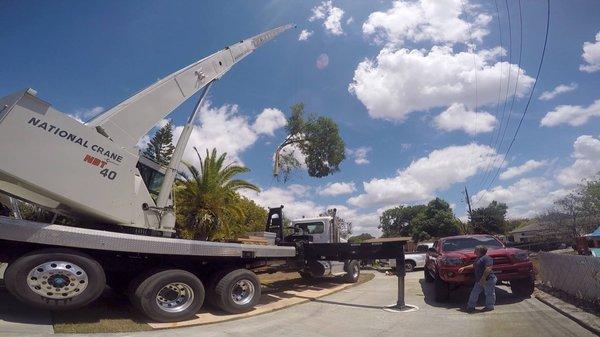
(574, 274)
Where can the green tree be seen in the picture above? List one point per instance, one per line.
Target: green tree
(251, 219)
(421, 222)
(490, 219)
(318, 141)
(397, 221)
(160, 148)
(207, 195)
(360, 238)
(437, 220)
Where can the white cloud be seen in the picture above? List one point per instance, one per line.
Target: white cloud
(423, 177)
(333, 189)
(401, 81)
(591, 56)
(268, 121)
(458, 117)
(560, 89)
(360, 155)
(85, 114)
(143, 142)
(586, 152)
(292, 199)
(304, 35)
(516, 171)
(439, 21)
(227, 131)
(331, 16)
(525, 198)
(361, 222)
(350, 20)
(574, 115)
(322, 61)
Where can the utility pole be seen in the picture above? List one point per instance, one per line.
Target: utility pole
(468, 200)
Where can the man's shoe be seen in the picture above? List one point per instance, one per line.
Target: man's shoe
(470, 310)
(487, 309)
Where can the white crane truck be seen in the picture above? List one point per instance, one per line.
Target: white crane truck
(93, 173)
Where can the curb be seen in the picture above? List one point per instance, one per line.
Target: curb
(568, 314)
(303, 300)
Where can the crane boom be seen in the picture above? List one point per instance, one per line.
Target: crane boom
(131, 119)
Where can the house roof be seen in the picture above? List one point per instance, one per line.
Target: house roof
(595, 233)
(532, 227)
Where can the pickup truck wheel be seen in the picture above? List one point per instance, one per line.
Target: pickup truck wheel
(238, 291)
(442, 290)
(55, 279)
(409, 266)
(169, 295)
(522, 287)
(428, 277)
(352, 272)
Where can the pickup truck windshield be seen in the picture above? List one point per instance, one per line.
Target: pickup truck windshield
(451, 245)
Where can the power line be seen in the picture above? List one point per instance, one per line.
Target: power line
(528, 101)
(507, 124)
(492, 142)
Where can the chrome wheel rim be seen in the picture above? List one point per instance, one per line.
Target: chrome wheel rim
(57, 280)
(408, 266)
(243, 292)
(175, 297)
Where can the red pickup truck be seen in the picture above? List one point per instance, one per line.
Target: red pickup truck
(449, 254)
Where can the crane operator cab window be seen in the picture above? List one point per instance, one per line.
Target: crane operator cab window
(152, 174)
(311, 227)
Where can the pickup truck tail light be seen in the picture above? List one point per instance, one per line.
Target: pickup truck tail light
(452, 261)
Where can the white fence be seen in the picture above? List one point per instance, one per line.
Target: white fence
(574, 274)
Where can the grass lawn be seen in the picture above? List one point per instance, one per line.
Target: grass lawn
(113, 313)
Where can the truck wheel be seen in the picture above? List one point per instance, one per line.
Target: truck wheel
(238, 291)
(306, 276)
(428, 277)
(442, 290)
(169, 295)
(55, 279)
(522, 287)
(409, 266)
(352, 272)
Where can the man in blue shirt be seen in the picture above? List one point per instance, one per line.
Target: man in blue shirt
(485, 280)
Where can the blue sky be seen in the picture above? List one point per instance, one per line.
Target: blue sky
(399, 81)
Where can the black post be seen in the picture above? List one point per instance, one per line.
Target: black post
(400, 273)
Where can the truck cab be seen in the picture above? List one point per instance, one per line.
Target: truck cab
(324, 230)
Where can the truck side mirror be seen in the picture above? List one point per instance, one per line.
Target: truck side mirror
(432, 250)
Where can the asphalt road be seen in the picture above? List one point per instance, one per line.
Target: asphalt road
(358, 312)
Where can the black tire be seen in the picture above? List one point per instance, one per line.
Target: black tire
(147, 295)
(249, 291)
(428, 277)
(79, 290)
(522, 287)
(442, 290)
(306, 276)
(352, 272)
(409, 266)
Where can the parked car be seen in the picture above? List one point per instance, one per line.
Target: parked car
(449, 254)
(414, 260)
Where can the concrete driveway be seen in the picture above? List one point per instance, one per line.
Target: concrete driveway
(357, 312)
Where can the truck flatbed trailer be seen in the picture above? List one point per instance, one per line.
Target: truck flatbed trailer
(19, 230)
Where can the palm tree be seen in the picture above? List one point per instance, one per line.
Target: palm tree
(207, 194)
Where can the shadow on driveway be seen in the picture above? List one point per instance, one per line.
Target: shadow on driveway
(458, 297)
